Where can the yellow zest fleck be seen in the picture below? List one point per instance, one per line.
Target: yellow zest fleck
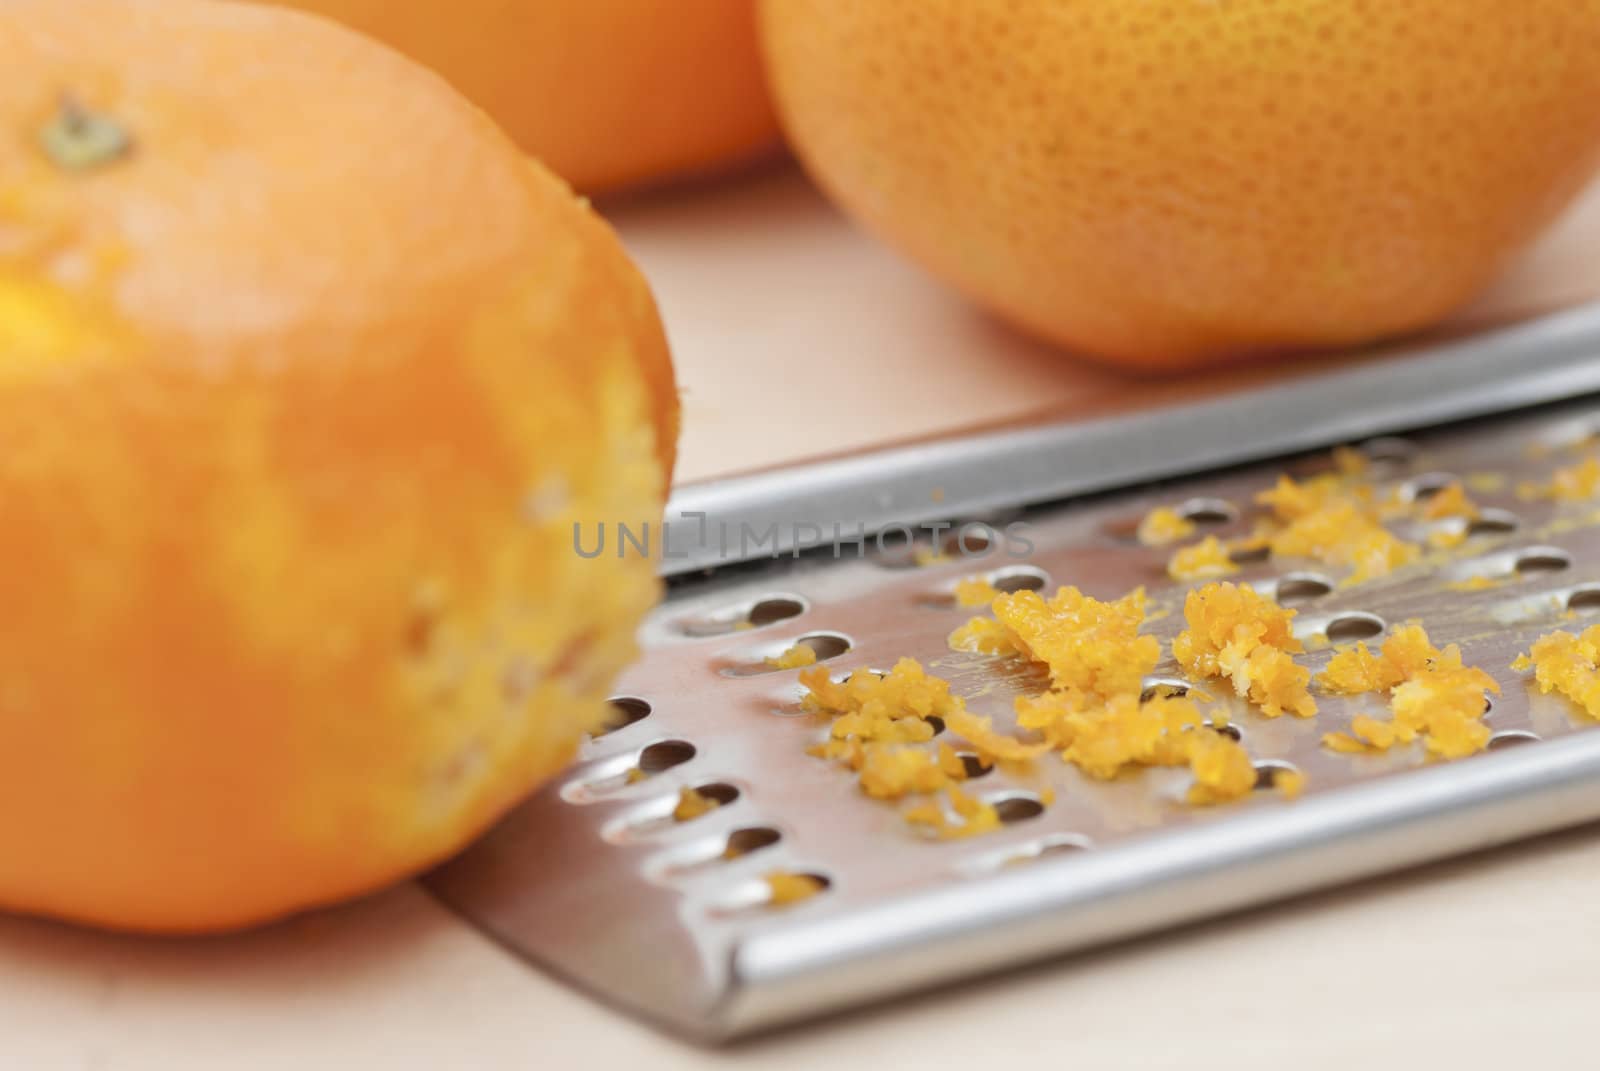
(980, 733)
(1350, 463)
(1222, 770)
(1291, 784)
(1485, 483)
(1343, 743)
(1473, 583)
(890, 773)
(906, 691)
(1575, 483)
(1569, 665)
(1290, 500)
(971, 816)
(692, 805)
(1244, 637)
(975, 591)
(1206, 559)
(1164, 525)
(796, 657)
(784, 887)
(1449, 501)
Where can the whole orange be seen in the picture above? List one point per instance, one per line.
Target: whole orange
(306, 375)
(607, 93)
(1177, 182)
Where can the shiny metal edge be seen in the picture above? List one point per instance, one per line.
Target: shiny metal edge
(1531, 363)
(1053, 908)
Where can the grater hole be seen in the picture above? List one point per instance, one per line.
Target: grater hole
(1267, 774)
(1022, 578)
(748, 841)
(1298, 588)
(1208, 511)
(1053, 846)
(768, 610)
(1250, 554)
(1512, 738)
(771, 610)
(663, 756)
(825, 645)
(973, 765)
(1348, 628)
(1426, 486)
(972, 540)
(719, 792)
(1230, 730)
(625, 710)
(824, 883)
(1065, 845)
(936, 722)
(1014, 809)
(1492, 522)
(1542, 560)
(1389, 450)
(1584, 600)
(1163, 688)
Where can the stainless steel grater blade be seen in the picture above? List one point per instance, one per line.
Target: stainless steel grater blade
(593, 881)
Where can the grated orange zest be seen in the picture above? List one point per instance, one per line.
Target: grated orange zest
(1164, 525)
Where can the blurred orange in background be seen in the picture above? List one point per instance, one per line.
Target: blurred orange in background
(1176, 183)
(606, 93)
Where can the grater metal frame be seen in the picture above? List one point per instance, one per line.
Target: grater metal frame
(647, 915)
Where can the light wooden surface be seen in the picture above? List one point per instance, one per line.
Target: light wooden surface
(791, 329)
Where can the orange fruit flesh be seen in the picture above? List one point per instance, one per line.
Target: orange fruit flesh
(1173, 183)
(301, 393)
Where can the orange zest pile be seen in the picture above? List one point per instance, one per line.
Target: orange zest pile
(1241, 636)
(881, 727)
(1569, 665)
(1432, 696)
(1333, 521)
(1095, 713)
(1333, 518)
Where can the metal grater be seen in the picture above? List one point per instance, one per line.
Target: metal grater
(594, 881)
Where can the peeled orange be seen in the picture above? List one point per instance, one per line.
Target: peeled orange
(1178, 182)
(306, 375)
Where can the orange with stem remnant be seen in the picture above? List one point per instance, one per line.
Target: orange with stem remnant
(306, 375)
